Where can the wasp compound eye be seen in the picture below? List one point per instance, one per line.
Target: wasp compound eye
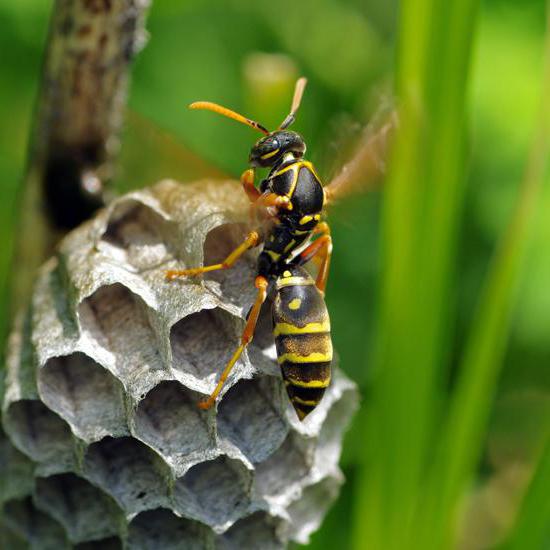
(265, 152)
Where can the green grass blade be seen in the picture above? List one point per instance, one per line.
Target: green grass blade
(532, 527)
(422, 203)
(469, 410)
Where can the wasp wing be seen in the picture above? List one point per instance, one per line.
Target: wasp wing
(150, 153)
(368, 161)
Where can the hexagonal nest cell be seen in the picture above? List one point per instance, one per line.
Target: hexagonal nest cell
(16, 471)
(109, 543)
(107, 447)
(208, 333)
(38, 432)
(85, 511)
(138, 232)
(132, 473)
(32, 525)
(250, 417)
(259, 526)
(289, 464)
(169, 420)
(215, 492)
(108, 316)
(160, 528)
(85, 394)
(307, 512)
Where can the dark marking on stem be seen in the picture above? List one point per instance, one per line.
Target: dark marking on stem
(84, 30)
(66, 26)
(103, 40)
(72, 187)
(98, 6)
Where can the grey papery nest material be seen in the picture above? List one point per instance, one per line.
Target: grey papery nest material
(105, 442)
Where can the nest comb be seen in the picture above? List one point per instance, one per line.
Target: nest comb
(104, 446)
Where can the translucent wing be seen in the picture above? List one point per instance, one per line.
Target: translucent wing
(368, 160)
(150, 153)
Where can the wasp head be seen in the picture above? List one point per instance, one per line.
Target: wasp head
(269, 150)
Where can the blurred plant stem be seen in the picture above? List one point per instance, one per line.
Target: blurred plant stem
(420, 470)
(531, 530)
(422, 206)
(77, 120)
(532, 527)
(462, 438)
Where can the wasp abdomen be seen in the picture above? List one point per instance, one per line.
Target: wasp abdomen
(302, 338)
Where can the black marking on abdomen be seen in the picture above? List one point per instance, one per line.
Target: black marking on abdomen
(303, 344)
(306, 373)
(302, 339)
(312, 307)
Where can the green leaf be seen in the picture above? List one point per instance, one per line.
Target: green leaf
(422, 206)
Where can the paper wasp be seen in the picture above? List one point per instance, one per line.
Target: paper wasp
(292, 233)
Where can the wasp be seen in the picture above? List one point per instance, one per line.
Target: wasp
(292, 233)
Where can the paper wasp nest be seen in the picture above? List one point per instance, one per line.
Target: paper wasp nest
(105, 445)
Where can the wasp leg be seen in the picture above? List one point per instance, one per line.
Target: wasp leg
(272, 199)
(247, 181)
(322, 247)
(259, 199)
(252, 240)
(248, 333)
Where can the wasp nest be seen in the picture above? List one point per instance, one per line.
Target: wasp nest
(105, 444)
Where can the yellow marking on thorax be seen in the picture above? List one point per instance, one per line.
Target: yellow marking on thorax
(310, 328)
(294, 183)
(295, 304)
(285, 169)
(273, 255)
(309, 217)
(308, 164)
(289, 245)
(309, 384)
(296, 166)
(287, 273)
(315, 357)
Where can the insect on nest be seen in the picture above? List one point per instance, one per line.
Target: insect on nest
(287, 208)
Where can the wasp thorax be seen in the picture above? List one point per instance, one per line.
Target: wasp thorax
(270, 149)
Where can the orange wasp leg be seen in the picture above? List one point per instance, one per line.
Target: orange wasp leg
(257, 198)
(261, 200)
(322, 247)
(252, 240)
(248, 333)
(247, 181)
(272, 199)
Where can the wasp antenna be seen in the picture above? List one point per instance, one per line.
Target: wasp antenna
(296, 100)
(209, 106)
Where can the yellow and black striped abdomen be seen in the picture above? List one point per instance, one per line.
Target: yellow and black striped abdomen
(302, 337)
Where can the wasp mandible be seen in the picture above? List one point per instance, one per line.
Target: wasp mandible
(292, 233)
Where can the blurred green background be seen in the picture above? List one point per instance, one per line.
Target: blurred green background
(202, 49)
